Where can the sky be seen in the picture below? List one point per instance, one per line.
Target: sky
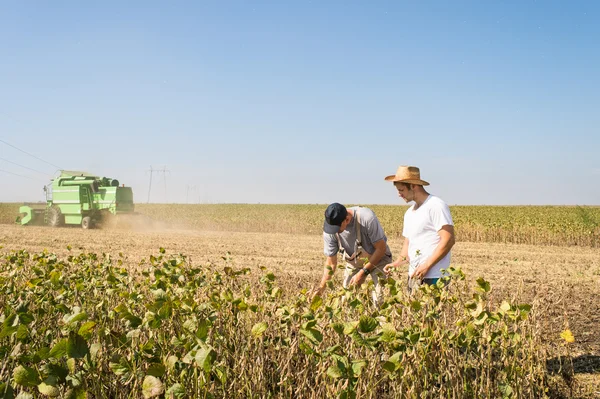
(497, 102)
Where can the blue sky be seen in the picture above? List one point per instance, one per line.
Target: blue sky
(304, 101)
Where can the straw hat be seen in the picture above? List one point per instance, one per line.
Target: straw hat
(407, 174)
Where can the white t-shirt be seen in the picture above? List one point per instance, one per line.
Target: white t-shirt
(421, 227)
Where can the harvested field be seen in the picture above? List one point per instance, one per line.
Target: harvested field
(536, 225)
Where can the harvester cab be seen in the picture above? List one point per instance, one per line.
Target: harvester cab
(79, 198)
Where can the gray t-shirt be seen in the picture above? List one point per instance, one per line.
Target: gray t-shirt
(370, 231)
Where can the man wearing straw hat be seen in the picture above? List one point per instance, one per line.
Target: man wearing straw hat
(356, 233)
(428, 229)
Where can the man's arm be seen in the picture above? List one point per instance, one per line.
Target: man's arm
(446, 243)
(375, 258)
(380, 248)
(330, 266)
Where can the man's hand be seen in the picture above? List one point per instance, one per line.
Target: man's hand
(389, 268)
(358, 278)
(421, 271)
(318, 291)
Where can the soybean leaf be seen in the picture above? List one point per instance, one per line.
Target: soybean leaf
(205, 358)
(259, 328)
(77, 346)
(59, 349)
(367, 324)
(152, 387)
(26, 376)
(176, 391)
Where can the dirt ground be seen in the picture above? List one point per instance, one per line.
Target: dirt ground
(562, 282)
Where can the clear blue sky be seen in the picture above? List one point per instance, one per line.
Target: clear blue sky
(305, 101)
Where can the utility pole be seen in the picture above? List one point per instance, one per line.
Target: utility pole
(164, 172)
(187, 192)
(150, 185)
(158, 171)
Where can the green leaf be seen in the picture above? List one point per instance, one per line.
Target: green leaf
(78, 393)
(7, 331)
(415, 305)
(357, 367)
(25, 318)
(156, 370)
(26, 376)
(221, 374)
(190, 325)
(76, 316)
(359, 339)
(389, 332)
(120, 366)
(24, 395)
(6, 391)
(316, 303)
(77, 346)
(258, 329)
(367, 324)
(55, 373)
(172, 362)
(86, 329)
(205, 358)
(43, 353)
(483, 286)
(505, 307)
(22, 332)
(338, 328)
(94, 350)
(10, 321)
(176, 391)
(313, 335)
(350, 327)
(347, 394)
(414, 337)
(478, 309)
(48, 390)
(166, 311)
(152, 387)
(134, 321)
(334, 372)
(202, 331)
(71, 363)
(393, 363)
(304, 347)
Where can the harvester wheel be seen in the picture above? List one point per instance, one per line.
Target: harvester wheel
(86, 222)
(55, 217)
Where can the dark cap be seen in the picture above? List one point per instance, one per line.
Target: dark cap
(334, 216)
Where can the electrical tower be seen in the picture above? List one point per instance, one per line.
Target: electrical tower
(164, 171)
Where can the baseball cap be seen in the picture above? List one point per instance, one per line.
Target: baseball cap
(334, 216)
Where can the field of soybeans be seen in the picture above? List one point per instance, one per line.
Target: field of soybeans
(214, 301)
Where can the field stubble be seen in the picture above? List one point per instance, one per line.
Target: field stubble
(536, 225)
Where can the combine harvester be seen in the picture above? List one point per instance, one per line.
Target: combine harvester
(79, 198)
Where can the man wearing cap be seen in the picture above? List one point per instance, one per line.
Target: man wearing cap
(358, 235)
(428, 229)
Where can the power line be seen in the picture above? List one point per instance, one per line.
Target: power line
(15, 174)
(14, 163)
(31, 155)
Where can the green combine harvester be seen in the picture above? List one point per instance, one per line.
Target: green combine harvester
(79, 198)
